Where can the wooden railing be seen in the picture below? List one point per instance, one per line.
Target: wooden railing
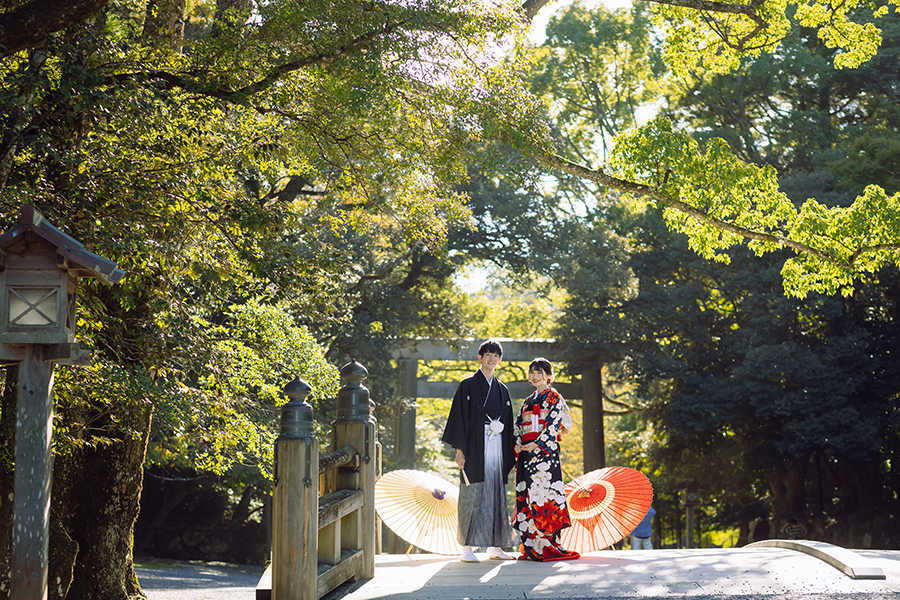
(318, 543)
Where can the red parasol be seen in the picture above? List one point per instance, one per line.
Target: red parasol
(605, 505)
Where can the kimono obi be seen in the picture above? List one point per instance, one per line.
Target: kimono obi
(533, 421)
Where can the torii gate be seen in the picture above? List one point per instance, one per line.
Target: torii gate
(588, 388)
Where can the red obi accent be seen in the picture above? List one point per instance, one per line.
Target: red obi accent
(532, 424)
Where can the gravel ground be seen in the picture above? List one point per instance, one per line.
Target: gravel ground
(697, 574)
(163, 579)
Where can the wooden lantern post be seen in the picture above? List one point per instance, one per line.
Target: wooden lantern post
(40, 267)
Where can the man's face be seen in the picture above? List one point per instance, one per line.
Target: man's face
(489, 361)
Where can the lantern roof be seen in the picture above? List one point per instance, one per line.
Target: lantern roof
(86, 263)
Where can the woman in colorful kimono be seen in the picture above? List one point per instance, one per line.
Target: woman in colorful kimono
(541, 511)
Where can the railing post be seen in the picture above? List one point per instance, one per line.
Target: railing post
(295, 503)
(355, 425)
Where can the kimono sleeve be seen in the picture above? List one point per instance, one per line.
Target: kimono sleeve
(456, 431)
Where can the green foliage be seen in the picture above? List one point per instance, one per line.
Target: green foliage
(709, 193)
(249, 164)
(862, 235)
(79, 391)
(718, 200)
(228, 415)
(508, 312)
(225, 170)
(594, 71)
(715, 182)
(716, 41)
(259, 350)
(766, 399)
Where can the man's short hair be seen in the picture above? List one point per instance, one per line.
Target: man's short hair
(490, 347)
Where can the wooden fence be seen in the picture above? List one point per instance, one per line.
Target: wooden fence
(320, 542)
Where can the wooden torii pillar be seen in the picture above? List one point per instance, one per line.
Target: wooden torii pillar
(594, 438)
(405, 434)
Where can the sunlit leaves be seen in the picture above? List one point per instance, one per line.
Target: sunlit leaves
(858, 42)
(715, 182)
(258, 351)
(703, 38)
(523, 314)
(716, 41)
(861, 238)
(80, 391)
(719, 201)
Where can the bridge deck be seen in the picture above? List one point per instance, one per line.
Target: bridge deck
(628, 574)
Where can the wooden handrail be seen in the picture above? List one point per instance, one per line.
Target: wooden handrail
(338, 458)
(339, 504)
(319, 542)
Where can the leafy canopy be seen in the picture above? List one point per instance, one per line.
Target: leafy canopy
(715, 36)
(708, 193)
(718, 200)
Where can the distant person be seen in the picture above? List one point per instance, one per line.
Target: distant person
(480, 427)
(793, 530)
(761, 528)
(642, 536)
(541, 511)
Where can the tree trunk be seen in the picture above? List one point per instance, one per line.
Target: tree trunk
(95, 502)
(31, 23)
(165, 22)
(18, 120)
(405, 434)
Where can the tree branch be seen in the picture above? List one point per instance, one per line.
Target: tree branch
(30, 25)
(530, 8)
(628, 408)
(598, 176)
(191, 82)
(748, 10)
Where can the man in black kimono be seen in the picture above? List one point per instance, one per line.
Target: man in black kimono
(480, 427)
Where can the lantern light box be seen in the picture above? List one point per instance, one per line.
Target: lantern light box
(40, 267)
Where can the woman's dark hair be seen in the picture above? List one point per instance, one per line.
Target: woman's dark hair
(490, 347)
(541, 364)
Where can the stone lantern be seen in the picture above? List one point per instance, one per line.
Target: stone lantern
(40, 267)
(690, 500)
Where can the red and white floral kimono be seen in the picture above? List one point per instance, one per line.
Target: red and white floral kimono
(541, 511)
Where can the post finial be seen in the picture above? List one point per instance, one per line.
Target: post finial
(297, 414)
(354, 373)
(353, 398)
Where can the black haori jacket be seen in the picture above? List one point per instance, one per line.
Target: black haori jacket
(465, 425)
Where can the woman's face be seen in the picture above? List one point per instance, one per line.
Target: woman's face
(538, 379)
